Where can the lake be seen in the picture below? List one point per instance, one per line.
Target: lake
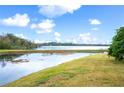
(72, 47)
(15, 66)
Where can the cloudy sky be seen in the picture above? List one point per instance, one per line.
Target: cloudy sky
(74, 23)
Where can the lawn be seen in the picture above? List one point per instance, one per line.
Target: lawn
(95, 70)
(52, 51)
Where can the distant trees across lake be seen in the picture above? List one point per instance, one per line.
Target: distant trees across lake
(70, 44)
(9, 41)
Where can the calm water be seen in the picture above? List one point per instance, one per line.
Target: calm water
(13, 67)
(29, 63)
(71, 47)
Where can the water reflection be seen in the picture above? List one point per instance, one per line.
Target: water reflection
(3, 64)
(4, 58)
(15, 66)
(8, 57)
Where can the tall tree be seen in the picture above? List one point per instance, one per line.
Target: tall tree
(117, 47)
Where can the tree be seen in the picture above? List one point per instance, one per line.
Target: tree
(9, 41)
(117, 47)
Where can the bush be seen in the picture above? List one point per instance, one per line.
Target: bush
(117, 47)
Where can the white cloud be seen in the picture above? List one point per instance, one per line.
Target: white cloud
(16, 20)
(52, 11)
(74, 41)
(57, 34)
(37, 41)
(45, 26)
(40, 41)
(67, 40)
(106, 42)
(94, 22)
(57, 39)
(21, 36)
(95, 29)
(86, 38)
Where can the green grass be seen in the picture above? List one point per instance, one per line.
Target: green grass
(95, 70)
(51, 51)
(11, 50)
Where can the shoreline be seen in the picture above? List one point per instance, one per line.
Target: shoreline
(61, 62)
(94, 70)
(52, 51)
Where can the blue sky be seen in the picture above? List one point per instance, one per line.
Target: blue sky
(77, 24)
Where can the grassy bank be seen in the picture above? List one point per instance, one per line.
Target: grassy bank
(51, 51)
(94, 70)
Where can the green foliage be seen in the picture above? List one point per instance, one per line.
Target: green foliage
(9, 41)
(117, 47)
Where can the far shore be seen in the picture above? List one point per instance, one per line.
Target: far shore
(53, 51)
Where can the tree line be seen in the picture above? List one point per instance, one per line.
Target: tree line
(70, 44)
(10, 41)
